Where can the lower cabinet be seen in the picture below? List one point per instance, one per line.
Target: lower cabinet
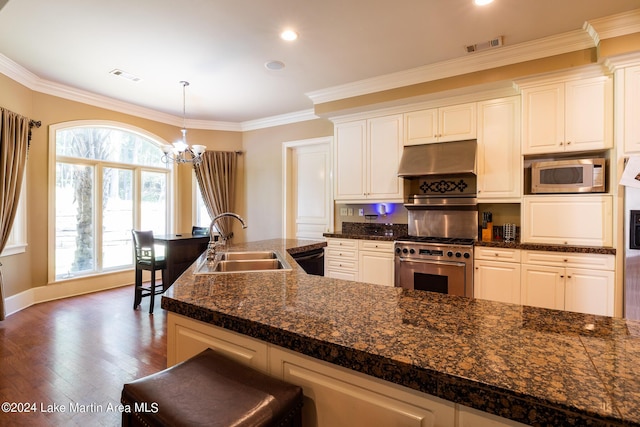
(333, 396)
(566, 281)
(375, 262)
(557, 280)
(187, 337)
(369, 261)
(497, 274)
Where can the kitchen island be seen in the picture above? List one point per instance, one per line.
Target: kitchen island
(530, 365)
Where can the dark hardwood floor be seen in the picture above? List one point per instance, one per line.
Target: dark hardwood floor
(75, 354)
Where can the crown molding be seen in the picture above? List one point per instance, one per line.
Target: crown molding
(283, 119)
(617, 25)
(28, 79)
(506, 55)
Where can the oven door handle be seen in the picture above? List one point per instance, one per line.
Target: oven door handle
(422, 261)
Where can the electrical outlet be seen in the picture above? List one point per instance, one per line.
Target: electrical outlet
(350, 212)
(343, 211)
(361, 212)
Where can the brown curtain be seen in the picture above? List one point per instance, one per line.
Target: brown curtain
(14, 142)
(216, 179)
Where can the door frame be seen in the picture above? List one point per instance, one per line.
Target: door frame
(288, 180)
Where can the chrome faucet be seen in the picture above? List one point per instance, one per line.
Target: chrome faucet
(213, 245)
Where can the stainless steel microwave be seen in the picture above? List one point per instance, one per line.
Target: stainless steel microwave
(568, 176)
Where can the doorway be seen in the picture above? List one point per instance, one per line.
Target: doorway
(308, 188)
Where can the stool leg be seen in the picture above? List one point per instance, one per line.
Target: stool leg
(137, 295)
(153, 291)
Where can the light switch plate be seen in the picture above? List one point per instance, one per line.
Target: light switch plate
(361, 212)
(350, 212)
(343, 211)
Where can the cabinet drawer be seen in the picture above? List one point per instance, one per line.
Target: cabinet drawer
(568, 259)
(341, 264)
(342, 243)
(376, 245)
(343, 254)
(495, 254)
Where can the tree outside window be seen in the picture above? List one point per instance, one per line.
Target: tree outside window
(108, 181)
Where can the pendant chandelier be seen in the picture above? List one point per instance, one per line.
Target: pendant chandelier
(179, 151)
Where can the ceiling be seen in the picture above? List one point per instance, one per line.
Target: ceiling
(221, 46)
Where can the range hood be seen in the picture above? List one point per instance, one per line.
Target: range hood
(443, 158)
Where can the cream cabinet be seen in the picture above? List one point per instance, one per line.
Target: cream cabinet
(497, 274)
(568, 281)
(187, 337)
(369, 261)
(585, 220)
(499, 160)
(575, 115)
(367, 155)
(335, 396)
(631, 113)
(451, 123)
(376, 262)
(341, 259)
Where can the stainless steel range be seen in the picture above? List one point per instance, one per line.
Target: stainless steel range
(436, 265)
(437, 255)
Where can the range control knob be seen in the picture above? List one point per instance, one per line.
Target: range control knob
(449, 254)
(412, 251)
(398, 250)
(466, 255)
(405, 250)
(458, 254)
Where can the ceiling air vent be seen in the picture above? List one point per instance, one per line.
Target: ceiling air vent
(497, 42)
(125, 75)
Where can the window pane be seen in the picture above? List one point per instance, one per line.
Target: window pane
(154, 202)
(117, 217)
(202, 214)
(105, 143)
(74, 242)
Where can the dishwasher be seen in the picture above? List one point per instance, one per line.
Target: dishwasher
(312, 262)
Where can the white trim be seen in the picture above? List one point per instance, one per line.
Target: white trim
(67, 289)
(614, 25)
(283, 119)
(286, 178)
(549, 46)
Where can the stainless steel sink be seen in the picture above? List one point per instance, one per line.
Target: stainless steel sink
(248, 265)
(249, 255)
(243, 262)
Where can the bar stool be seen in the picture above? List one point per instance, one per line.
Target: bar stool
(213, 390)
(146, 259)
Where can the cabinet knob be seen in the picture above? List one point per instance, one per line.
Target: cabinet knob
(565, 260)
(561, 143)
(568, 142)
(497, 254)
(568, 277)
(562, 276)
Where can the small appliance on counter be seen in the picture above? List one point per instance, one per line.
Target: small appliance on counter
(487, 226)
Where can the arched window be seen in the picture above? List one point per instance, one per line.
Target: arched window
(108, 179)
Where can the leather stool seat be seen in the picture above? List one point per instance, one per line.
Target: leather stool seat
(210, 389)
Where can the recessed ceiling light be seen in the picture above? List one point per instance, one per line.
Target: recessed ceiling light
(288, 35)
(274, 65)
(482, 2)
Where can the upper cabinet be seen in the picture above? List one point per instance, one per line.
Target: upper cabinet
(367, 155)
(632, 110)
(499, 161)
(452, 123)
(575, 115)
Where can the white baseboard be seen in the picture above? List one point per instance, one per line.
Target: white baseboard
(66, 289)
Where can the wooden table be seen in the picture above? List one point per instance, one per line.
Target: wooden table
(180, 251)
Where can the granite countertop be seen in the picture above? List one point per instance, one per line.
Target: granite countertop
(536, 366)
(552, 248)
